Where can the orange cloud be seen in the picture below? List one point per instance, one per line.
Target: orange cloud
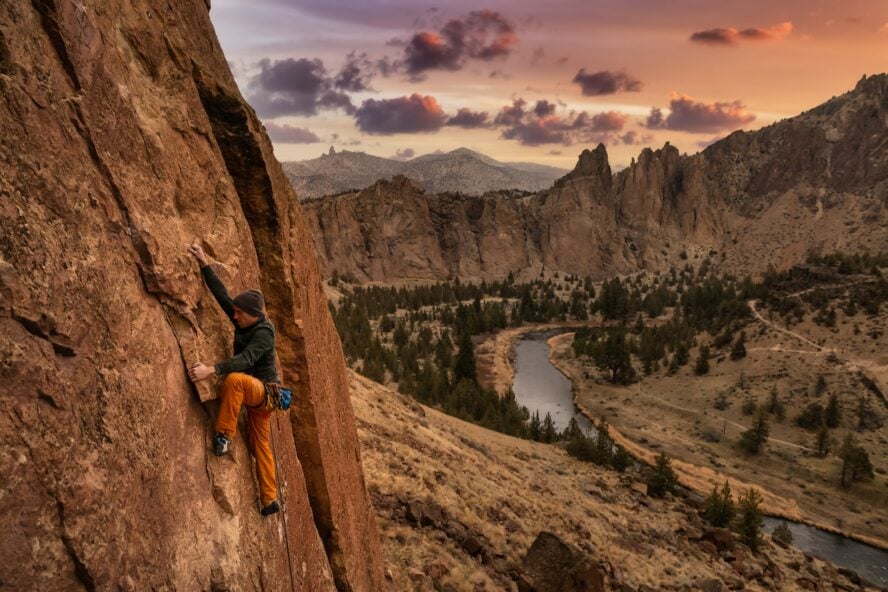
(731, 36)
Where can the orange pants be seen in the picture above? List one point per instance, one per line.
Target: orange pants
(238, 389)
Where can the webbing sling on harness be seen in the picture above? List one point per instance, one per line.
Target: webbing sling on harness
(277, 398)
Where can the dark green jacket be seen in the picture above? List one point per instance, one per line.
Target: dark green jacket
(254, 352)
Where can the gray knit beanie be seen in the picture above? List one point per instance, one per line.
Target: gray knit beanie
(251, 302)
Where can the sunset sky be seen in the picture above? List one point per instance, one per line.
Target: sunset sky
(539, 81)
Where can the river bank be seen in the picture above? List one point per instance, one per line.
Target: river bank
(495, 352)
(778, 494)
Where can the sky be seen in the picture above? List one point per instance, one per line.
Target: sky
(533, 81)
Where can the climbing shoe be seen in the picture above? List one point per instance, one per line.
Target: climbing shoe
(272, 508)
(220, 444)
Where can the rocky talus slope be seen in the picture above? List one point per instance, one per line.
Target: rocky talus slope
(462, 508)
(123, 138)
(817, 182)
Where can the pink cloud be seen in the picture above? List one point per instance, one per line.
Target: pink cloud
(732, 36)
(688, 115)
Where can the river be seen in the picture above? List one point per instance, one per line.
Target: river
(539, 386)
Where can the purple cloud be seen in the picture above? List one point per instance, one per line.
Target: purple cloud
(542, 125)
(469, 119)
(606, 82)
(481, 35)
(402, 115)
(693, 116)
(288, 134)
(295, 87)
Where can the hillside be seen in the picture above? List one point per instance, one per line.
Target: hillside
(816, 183)
(459, 171)
(452, 518)
(123, 138)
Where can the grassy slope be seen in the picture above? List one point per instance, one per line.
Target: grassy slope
(506, 490)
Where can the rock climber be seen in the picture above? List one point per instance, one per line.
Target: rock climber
(253, 364)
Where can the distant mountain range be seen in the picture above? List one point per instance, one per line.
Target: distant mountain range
(461, 170)
(814, 183)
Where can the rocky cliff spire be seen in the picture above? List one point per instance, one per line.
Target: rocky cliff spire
(591, 165)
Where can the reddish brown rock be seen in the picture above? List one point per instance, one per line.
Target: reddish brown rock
(122, 139)
(817, 182)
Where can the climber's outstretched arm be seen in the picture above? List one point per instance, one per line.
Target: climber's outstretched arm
(213, 282)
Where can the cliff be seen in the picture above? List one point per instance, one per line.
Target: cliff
(817, 182)
(123, 138)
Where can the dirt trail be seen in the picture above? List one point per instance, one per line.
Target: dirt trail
(739, 426)
(876, 372)
(780, 329)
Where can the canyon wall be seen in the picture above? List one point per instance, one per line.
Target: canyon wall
(817, 182)
(123, 138)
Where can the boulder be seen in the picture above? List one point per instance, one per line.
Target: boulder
(552, 565)
(712, 585)
(722, 538)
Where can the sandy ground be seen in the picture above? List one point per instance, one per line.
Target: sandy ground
(504, 491)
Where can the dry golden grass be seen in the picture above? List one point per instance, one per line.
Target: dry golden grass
(507, 490)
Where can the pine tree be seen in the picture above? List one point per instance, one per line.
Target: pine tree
(702, 366)
(549, 433)
(832, 416)
(750, 519)
(662, 479)
(465, 359)
(719, 508)
(856, 465)
(621, 459)
(603, 447)
(535, 430)
(613, 355)
(754, 438)
(738, 351)
(775, 405)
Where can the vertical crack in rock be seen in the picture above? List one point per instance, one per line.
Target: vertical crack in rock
(80, 569)
(247, 168)
(49, 18)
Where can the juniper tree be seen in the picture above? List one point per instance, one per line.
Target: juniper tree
(755, 437)
(856, 465)
(775, 405)
(832, 416)
(702, 366)
(750, 519)
(719, 508)
(662, 479)
(464, 366)
(738, 351)
(811, 417)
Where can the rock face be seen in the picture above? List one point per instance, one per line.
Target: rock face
(122, 139)
(815, 183)
(461, 170)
